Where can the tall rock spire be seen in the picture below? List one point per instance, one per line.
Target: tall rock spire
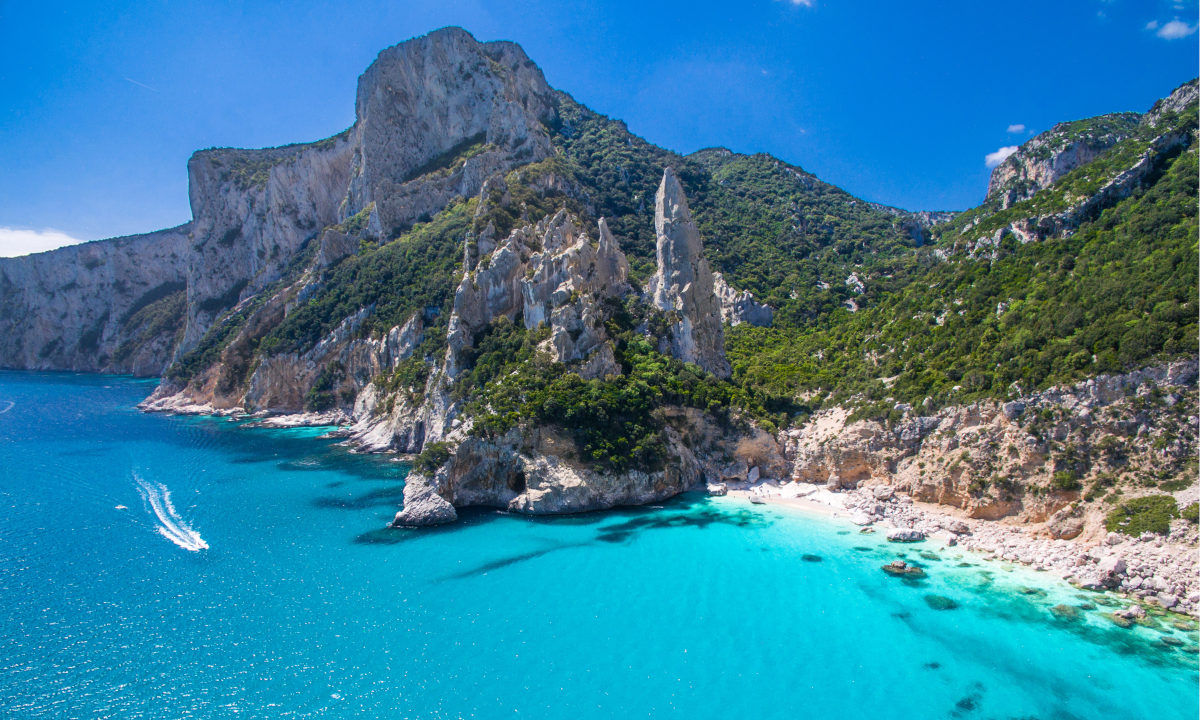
(683, 284)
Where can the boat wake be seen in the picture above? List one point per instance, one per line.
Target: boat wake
(170, 525)
(8, 407)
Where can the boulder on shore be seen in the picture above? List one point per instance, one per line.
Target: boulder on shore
(905, 535)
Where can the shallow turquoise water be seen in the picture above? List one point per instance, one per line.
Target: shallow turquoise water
(301, 606)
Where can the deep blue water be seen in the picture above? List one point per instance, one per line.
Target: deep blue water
(303, 606)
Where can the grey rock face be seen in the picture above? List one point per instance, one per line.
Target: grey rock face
(739, 306)
(435, 117)
(280, 382)
(422, 505)
(427, 100)
(109, 306)
(253, 211)
(683, 284)
(547, 274)
(528, 471)
(1040, 162)
(905, 535)
(1184, 95)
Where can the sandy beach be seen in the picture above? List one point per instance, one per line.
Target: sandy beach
(1150, 569)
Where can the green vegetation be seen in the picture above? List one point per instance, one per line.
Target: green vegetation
(432, 457)
(322, 395)
(929, 326)
(615, 421)
(1118, 293)
(1191, 513)
(162, 316)
(152, 296)
(452, 159)
(357, 222)
(250, 170)
(412, 373)
(1152, 513)
(414, 273)
(1065, 480)
(768, 226)
(1082, 182)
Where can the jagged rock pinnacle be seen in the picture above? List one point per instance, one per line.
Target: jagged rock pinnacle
(683, 283)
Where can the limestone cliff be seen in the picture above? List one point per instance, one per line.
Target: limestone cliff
(1041, 161)
(111, 306)
(538, 470)
(435, 116)
(1047, 459)
(682, 286)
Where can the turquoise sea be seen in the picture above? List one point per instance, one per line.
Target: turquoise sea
(166, 567)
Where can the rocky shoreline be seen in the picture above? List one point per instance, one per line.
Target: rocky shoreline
(1149, 569)
(1154, 569)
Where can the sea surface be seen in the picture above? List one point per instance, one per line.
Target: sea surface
(168, 567)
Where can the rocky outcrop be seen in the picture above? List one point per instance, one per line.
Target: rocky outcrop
(1115, 155)
(682, 287)
(438, 115)
(915, 224)
(1153, 568)
(1031, 459)
(253, 210)
(548, 274)
(434, 117)
(739, 306)
(1119, 154)
(109, 306)
(1177, 102)
(538, 470)
(1040, 162)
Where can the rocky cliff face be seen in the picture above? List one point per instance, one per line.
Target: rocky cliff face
(538, 471)
(1046, 459)
(739, 306)
(1040, 162)
(435, 117)
(438, 115)
(547, 274)
(1070, 174)
(254, 210)
(683, 284)
(110, 306)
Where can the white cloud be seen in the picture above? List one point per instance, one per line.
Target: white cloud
(1175, 29)
(1016, 128)
(1152, 25)
(995, 158)
(803, 3)
(14, 241)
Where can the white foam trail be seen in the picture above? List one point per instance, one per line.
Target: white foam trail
(10, 406)
(170, 525)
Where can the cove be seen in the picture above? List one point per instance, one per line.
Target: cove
(301, 604)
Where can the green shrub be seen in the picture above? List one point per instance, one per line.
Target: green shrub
(1065, 480)
(1191, 513)
(1152, 513)
(432, 457)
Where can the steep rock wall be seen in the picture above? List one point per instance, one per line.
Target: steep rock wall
(108, 306)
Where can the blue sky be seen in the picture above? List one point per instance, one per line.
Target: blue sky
(898, 102)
